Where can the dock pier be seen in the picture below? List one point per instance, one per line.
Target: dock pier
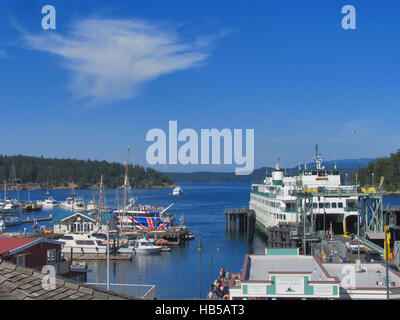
(242, 220)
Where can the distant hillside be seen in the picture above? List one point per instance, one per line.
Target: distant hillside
(387, 167)
(84, 173)
(348, 166)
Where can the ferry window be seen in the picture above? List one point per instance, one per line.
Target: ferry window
(329, 173)
(334, 205)
(321, 205)
(307, 173)
(67, 238)
(340, 205)
(99, 243)
(315, 205)
(335, 173)
(327, 205)
(284, 217)
(314, 173)
(321, 174)
(351, 204)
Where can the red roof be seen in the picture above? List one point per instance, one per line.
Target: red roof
(7, 244)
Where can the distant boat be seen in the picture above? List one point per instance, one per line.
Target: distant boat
(12, 221)
(48, 203)
(177, 191)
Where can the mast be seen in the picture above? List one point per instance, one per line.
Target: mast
(125, 188)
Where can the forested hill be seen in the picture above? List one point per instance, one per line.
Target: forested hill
(83, 173)
(348, 166)
(387, 167)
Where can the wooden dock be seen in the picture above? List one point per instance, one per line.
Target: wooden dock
(98, 257)
(37, 219)
(242, 220)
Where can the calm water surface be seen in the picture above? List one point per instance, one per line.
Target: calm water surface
(176, 274)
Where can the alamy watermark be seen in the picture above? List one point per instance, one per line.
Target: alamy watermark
(49, 280)
(195, 152)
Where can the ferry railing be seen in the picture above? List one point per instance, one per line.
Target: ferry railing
(149, 294)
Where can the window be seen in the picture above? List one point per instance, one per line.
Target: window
(340, 205)
(21, 260)
(85, 242)
(80, 278)
(321, 205)
(334, 205)
(327, 205)
(51, 256)
(67, 238)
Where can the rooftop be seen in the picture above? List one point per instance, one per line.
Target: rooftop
(372, 276)
(261, 267)
(18, 283)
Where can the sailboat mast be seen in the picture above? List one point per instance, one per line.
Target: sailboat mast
(125, 187)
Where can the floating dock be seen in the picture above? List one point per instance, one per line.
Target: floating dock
(98, 257)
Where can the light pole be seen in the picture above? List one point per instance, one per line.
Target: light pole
(212, 260)
(372, 180)
(346, 177)
(200, 249)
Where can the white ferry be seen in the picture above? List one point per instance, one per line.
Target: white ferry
(276, 202)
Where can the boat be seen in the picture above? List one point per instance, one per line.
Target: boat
(11, 207)
(74, 204)
(10, 221)
(100, 207)
(48, 203)
(277, 201)
(83, 244)
(142, 245)
(14, 205)
(177, 191)
(32, 206)
(141, 217)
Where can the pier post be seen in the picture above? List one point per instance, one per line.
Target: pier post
(250, 226)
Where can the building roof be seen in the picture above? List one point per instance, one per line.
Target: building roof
(62, 217)
(262, 267)
(372, 275)
(14, 245)
(18, 283)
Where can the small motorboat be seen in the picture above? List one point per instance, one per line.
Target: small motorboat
(177, 191)
(142, 245)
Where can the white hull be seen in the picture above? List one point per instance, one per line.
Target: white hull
(84, 250)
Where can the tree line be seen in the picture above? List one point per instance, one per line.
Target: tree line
(83, 173)
(387, 167)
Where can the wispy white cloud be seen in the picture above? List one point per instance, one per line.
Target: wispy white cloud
(112, 59)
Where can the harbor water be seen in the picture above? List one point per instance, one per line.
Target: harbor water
(177, 274)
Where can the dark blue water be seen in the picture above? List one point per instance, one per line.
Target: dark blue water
(177, 274)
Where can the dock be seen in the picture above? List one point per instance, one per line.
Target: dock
(37, 219)
(242, 220)
(98, 257)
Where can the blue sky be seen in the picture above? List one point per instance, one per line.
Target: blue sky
(286, 69)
